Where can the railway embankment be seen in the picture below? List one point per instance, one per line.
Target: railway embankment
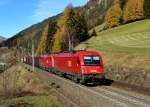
(92, 96)
(18, 85)
(125, 52)
(132, 76)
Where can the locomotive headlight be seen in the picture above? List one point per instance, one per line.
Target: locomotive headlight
(82, 69)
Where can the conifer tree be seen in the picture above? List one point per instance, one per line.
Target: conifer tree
(94, 33)
(80, 26)
(58, 39)
(63, 32)
(42, 45)
(113, 15)
(133, 10)
(147, 8)
(71, 30)
(52, 28)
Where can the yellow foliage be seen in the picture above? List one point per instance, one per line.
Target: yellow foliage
(57, 47)
(42, 45)
(133, 10)
(63, 23)
(113, 16)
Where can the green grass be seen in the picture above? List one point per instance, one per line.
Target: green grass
(133, 37)
(127, 44)
(33, 101)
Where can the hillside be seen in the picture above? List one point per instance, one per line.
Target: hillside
(2, 39)
(129, 44)
(128, 39)
(94, 11)
(24, 37)
(94, 8)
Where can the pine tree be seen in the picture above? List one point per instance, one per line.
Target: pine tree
(113, 15)
(133, 10)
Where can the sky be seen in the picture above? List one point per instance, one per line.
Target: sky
(16, 15)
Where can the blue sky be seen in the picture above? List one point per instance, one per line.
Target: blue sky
(16, 15)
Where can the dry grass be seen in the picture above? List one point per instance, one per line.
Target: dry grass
(17, 79)
(17, 83)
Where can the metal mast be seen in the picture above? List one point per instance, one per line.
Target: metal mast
(33, 68)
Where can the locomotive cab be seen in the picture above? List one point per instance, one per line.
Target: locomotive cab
(91, 67)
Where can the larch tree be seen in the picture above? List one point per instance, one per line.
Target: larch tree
(133, 10)
(113, 15)
(58, 39)
(71, 30)
(42, 45)
(52, 28)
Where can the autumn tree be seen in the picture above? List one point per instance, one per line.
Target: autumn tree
(71, 30)
(58, 38)
(80, 26)
(113, 15)
(63, 32)
(52, 28)
(133, 10)
(42, 45)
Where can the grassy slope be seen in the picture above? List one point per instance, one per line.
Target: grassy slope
(129, 44)
(20, 82)
(34, 101)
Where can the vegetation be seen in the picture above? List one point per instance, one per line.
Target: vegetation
(71, 30)
(95, 11)
(147, 8)
(129, 44)
(124, 12)
(42, 45)
(133, 10)
(51, 31)
(114, 15)
(33, 101)
(94, 16)
(46, 41)
(93, 33)
(109, 12)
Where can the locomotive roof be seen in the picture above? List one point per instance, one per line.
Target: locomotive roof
(78, 53)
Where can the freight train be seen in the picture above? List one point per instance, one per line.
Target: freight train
(80, 66)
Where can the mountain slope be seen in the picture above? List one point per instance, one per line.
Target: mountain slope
(132, 37)
(2, 39)
(94, 8)
(95, 11)
(129, 44)
(125, 52)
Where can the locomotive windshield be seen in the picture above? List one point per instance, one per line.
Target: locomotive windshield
(91, 60)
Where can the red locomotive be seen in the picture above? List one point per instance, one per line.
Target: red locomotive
(81, 66)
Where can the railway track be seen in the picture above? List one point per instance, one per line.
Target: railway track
(125, 98)
(99, 96)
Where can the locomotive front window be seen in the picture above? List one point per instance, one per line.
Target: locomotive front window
(91, 60)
